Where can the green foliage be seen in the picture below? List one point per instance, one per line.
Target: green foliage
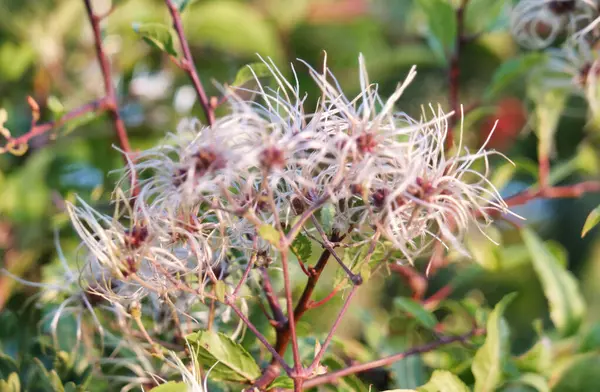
(281, 382)
(490, 360)
(157, 35)
(416, 310)
(567, 307)
(443, 380)
(270, 234)
(485, 15)
(250, 72)
(441, 22)
(327, 213)
(171, 386)
(229, 360)
(232, 27)
(592, 220)
(302, 247)
(511, 70)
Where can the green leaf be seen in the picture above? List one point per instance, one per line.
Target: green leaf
(441, 21)
(55, 106)
(11, 384)
(538, 358)
(327, 216)
(567, 307)
(220, 290)
(511, 70)
(549, 105)
(592, 220)
(443, 380)
(350, 383)
(233, 27)
(157, 35)
(302, 247)
(490, 360)
(171, 386)
(283, 382)
(7, 366)
(416, 310)
(270, 234)
(578, 373)
(228, 359)
(531, 380)
(484, 15)
(251, 72)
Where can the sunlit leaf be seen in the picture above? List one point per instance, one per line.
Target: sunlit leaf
(441, 21)
(327, 216)
(443, 380)
(229, 360)
(251, 72)
(567, 307)
(281, 382)
(490, 360)
(577, 373)
(157, 35)
(592, 220)
(11, 383)
(220, 290)
(485, 15)
(416, 310)
(171, 386)
(233, 27)
(270, 234)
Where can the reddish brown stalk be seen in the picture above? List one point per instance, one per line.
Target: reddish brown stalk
(416, 281)
(112, 105)
(279, 318)
(334, 376)
(187, 63)
(330, 296)
(284, 334)
(332, 330)
(554, 192)
(39, 129)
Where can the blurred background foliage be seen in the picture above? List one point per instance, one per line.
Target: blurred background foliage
(46, 52)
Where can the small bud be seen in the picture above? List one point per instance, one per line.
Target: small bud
(272, 157)
(366, 143)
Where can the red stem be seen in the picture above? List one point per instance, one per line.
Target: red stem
(267, 287)
(554, 192)
(111, 97)
(334, 327)
(39, 129)
(187, 64)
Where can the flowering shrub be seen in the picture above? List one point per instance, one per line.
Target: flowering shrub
(242, 211)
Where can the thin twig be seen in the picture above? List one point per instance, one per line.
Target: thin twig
(554, 192)
(334, 376)
(278, 316)
(283, 334)
(336, 323)
(111, 95)
(229, 301)
(287, 284)
(39, 129)
(187, 63)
